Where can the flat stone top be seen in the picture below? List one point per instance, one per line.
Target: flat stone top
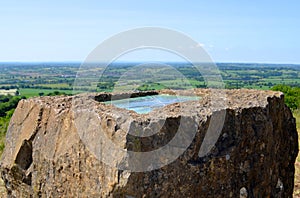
(211, 100)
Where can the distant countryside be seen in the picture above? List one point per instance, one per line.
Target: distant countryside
(41, 79)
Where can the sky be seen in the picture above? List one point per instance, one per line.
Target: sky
(259, 31)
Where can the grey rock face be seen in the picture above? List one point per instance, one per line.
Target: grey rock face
(242, 143)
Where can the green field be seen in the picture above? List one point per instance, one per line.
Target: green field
(29, 92)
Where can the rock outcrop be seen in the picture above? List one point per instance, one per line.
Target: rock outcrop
(231, 143)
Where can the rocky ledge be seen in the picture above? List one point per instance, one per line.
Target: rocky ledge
(230, 143)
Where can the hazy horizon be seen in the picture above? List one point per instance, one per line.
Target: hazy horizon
(80, 62)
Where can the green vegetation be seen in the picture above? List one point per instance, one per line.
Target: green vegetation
(29, 92)
(7, 103)
(291, 95)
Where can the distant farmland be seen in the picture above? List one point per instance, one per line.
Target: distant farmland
(8, 92)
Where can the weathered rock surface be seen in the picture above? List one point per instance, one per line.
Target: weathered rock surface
(54, 148)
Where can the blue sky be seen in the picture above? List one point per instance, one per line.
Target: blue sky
(230, 31)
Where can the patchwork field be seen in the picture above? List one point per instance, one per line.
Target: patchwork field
(11, 92)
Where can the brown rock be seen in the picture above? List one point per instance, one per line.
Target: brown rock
(231, 143)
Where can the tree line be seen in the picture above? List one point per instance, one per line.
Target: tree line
(8, 103)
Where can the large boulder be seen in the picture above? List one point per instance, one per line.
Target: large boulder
(230, 143)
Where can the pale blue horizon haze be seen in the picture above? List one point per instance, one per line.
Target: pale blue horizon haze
(230, 31)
